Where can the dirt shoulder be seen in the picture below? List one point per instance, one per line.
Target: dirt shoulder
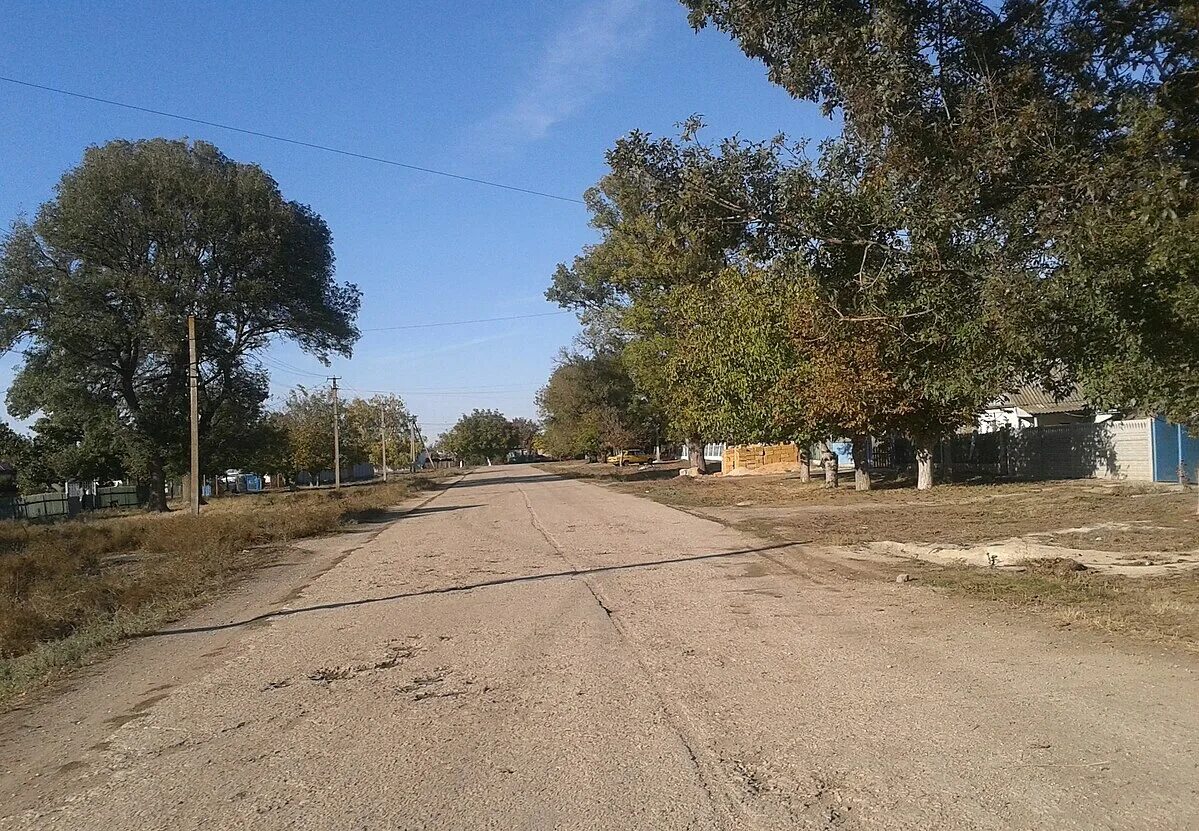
(1119, 558)
(40, 752)
(78, 587)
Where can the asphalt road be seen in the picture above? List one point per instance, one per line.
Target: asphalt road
(527, 652)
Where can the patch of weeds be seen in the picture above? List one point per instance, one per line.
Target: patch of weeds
(72, 588)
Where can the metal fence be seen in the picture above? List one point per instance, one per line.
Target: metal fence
(39, 506)
(59, 504)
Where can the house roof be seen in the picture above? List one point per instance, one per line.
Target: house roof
(1032, 398)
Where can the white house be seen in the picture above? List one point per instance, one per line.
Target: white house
(1032, 406)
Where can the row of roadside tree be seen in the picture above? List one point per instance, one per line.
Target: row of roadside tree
(1010, 199)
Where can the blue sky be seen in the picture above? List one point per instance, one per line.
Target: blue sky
(525, 93)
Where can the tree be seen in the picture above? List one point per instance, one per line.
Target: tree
(740, 269)
(590, 405)
(1057, 140)
(482, 436)
(271, 451)
(669, 239)
(97, 289)
(527, 432)
(307, 420)
(362, 429)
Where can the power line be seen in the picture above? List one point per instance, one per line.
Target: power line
(463, 322)
(444, 393)
(287, 369)
(286, 140)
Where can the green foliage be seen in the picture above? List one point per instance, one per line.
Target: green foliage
(361, 432)
(740, 268)
(307, 420)
(1050, 147)
(481, 436)
(591, 406)
(97, 290)
(527, 432)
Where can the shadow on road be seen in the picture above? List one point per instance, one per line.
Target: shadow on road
(494, 481)
(382, 516)
(499, 581)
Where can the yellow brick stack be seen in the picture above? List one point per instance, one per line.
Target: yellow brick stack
(751, 457)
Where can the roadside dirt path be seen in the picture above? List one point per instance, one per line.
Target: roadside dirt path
(531, 652)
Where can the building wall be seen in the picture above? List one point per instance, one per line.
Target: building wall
(1109, 450)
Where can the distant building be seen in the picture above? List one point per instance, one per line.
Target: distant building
(1033, 406)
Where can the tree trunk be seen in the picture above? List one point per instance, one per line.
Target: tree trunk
(861, 462)
(158, 497)
(805, 466)
(947, 458)
(695, 452)
(924, 464)
(829, 461)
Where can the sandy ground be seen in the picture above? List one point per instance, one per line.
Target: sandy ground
(529, 652)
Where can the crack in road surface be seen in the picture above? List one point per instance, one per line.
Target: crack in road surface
(722, 801)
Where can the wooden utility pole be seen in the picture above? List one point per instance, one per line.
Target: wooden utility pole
(193, 371)
(383, 435)
(412, 445)
(336, 439)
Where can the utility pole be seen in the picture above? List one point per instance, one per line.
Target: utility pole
(193, 371)
(383, 435)
(412, 445)
(336, 439)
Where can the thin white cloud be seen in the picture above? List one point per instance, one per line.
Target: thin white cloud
(576, 65)
(457, 346)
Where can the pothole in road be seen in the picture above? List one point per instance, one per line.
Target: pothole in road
(436, 685)
(392, 657)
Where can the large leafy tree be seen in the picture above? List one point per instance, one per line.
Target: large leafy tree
(96, 291)
(481, 436)
(681, 240)
(1054, 144)
(767, 297)
(367, 420)
(307, 422)
(527, 433)
(590, 405)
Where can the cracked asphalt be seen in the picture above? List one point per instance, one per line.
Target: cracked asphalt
(529, 652)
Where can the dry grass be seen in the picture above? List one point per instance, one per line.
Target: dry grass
(1136, 518)
(612, 473)
(73, 586)
(1123, 518)
(1159, 609)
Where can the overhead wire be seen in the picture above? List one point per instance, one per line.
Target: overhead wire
(463, 322)
(287, 140)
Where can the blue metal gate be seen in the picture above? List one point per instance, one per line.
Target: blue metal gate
(1174, 450)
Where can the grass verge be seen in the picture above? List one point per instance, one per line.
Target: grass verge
(1158, 609)
(1116, 517)
(72, 588)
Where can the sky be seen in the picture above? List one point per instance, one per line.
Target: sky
(529, 94)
